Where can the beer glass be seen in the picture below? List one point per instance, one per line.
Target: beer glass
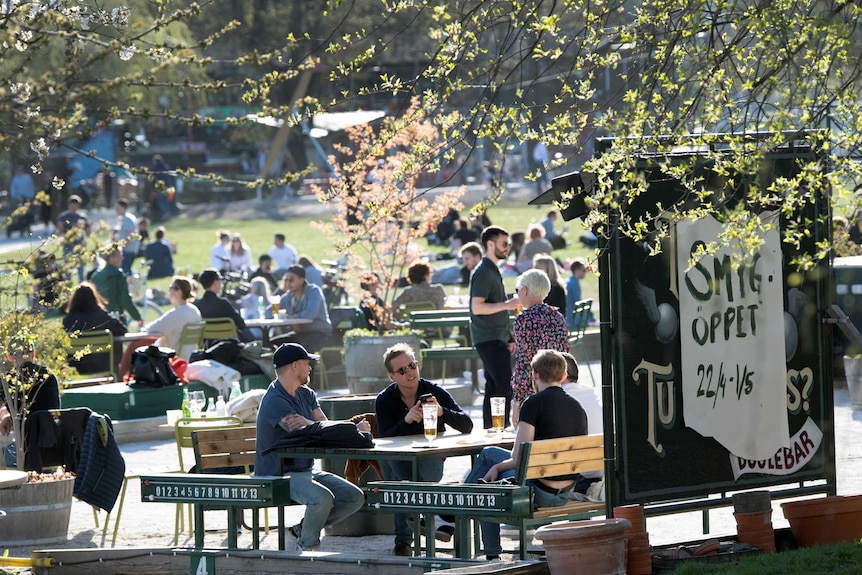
(498, 411)
(429, 420)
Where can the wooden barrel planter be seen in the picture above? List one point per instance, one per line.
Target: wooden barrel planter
(363, 360)
(36, 513)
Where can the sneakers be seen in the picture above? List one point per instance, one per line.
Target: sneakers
(402, 549)
(444, 533)
(295, 530)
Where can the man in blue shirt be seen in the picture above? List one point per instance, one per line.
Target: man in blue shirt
(289, 405)
(302, 299)
(573, 293)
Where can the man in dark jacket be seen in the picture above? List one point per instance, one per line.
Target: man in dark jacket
(25, 379)
(212, 305)
(399, 412)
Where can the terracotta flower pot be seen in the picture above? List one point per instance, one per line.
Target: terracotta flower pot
(825, 520)
(585, 547)
(764, 539)
(753, 521)
(635, 515)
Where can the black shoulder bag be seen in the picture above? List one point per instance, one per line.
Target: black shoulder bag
(151, 367)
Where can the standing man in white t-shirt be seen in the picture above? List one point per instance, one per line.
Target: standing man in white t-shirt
(283, 255)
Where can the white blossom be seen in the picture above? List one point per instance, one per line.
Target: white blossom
(158, 54)
(120, 17)
(126, 53)
(21, 91)
(40, 147)
(8, 6)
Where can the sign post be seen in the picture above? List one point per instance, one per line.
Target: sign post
(716, 359)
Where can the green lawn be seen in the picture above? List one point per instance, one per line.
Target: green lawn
(195, 237)
(838, 559)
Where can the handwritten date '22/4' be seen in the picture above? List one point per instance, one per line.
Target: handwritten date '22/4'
(714, 381)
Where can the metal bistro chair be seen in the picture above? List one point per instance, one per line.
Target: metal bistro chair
(183, 434)
(93, 342)
(581, 319)
(192, 335)
(218, 328)
(183, 430)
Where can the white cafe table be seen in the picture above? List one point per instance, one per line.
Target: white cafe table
(131, 337)
(267, 324)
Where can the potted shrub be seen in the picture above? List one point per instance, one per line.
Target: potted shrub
(378, 212)
(363, 357)
(37, 505)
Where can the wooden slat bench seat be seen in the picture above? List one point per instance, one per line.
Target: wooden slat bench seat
(509, 504)
(551, 458)
(215, 449)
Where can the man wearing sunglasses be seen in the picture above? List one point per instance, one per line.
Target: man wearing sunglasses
(489, 320)
(399, 412)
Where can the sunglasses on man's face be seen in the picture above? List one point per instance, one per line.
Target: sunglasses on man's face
(409, 367)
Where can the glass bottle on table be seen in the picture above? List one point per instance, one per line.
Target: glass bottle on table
(187, 412)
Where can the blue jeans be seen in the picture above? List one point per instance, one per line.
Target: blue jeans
(328, 499)
(489, 457)
(429, 470)
(9, 456)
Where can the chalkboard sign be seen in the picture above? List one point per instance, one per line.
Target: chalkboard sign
(721, 369)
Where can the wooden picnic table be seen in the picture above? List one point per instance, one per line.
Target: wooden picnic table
(411, 448)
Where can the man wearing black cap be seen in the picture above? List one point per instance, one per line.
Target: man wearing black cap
(304, 300)
(288, 405)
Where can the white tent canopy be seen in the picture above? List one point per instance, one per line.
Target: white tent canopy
(328, 121)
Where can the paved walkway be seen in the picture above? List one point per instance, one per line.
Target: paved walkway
(149, 524)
